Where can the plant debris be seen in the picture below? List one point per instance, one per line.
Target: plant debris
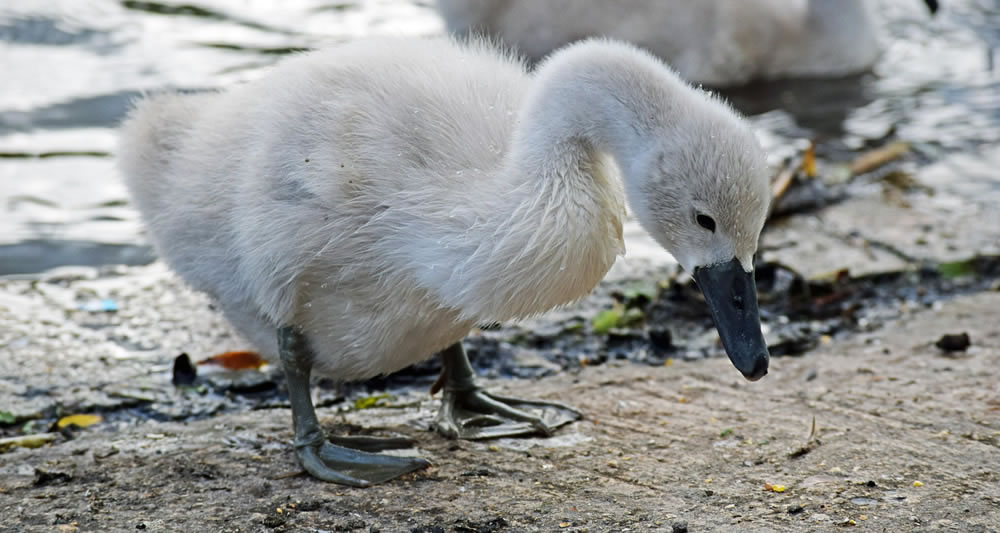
(811, 443)
(874, 159)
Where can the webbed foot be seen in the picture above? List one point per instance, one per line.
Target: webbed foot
(346, 464)
(468, 412)
(372, 444)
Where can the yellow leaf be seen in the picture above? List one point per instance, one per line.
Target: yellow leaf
(81, 421)
(27, 441)
(369, 401)
(809, 161)
(917, 484)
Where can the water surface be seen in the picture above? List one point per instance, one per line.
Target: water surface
(70, 68)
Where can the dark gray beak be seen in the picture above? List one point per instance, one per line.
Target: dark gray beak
(932, 5)
(732, 299)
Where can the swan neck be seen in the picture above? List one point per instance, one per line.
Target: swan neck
(578, 110)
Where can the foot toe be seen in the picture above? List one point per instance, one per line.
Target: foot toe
(355, 468)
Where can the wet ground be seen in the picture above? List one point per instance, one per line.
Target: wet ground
(891, 243)
(881, 432)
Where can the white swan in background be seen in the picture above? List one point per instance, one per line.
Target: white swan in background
(372, 202)
(714, 42)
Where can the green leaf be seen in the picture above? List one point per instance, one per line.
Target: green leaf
(957, 269)
(605, 320)
(7, 418)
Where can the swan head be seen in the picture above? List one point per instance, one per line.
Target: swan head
(702, 191)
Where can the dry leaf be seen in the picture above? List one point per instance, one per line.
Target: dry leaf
(236, 360)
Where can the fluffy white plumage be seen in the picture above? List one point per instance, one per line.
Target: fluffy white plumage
(715, 42)
(387, 194)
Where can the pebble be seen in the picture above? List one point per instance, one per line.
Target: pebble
(954, 342)
(679, 526)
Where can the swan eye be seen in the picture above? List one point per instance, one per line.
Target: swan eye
(706, 222)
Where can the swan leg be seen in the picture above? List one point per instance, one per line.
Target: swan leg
(469, 412)
(318, 456)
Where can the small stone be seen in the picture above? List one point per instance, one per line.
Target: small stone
(273, 521)
(308, 506)
(679, 526)
(352, 525)
(795, 509)
(661, 338)
(954, 342)
(259, 488)
(48, 477)
(185, 372)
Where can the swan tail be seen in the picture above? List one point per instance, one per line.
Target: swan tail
(149, 140)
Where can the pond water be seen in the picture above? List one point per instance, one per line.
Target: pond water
(70, 67)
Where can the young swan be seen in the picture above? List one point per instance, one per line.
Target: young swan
(372, 202)
(715, 42)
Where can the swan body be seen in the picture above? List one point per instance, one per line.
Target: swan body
(387, 195)
(714, 42)
(372, 202)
